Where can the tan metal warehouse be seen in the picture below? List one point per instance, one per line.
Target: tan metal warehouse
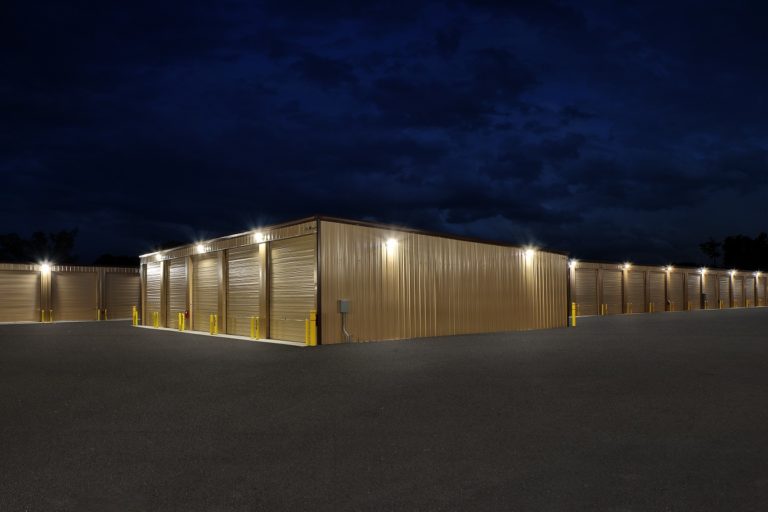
(45, 293)
(344, 281)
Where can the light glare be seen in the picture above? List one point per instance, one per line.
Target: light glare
(259, 237)
(627, 265)
(200, 248)
(391, 243)
(45, 267)
(573, 263)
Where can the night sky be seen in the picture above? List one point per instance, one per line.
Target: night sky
(612, 132)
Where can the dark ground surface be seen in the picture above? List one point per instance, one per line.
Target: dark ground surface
(649, 412)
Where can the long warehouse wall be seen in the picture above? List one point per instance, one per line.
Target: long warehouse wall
(614, 289)
(42, 293)
(402, 284)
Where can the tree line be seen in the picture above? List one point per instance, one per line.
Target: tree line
(738, 251)
(57, 247)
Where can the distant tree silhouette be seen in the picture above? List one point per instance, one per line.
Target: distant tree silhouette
(743, 252)
(109, 260)
(711, 248)
(54, 247)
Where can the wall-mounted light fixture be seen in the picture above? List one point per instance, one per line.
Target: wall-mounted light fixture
(258, 237)
(530, 252)
(703, 270)
(733, 273)
(669, 268)
(627, 265)
(45, 267)
(391, 244)
(573, 263)
(200, 248)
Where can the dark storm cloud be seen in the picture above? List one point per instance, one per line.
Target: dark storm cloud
(568, 125)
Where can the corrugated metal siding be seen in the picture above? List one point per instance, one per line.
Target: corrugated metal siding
(243, 288)
(585, 291)
(636, 291)
(205, 290)
(761, 282)
(293, 286)
(710, 289)
(75, 295)
(154, 279)
(19, 296)
(121, 294)
(694, 292)
(675, 290)
(433, 286)
(612, 291)
(656, 290)
(177, 290)
(738, 293)
(749, 291)
(724, 283)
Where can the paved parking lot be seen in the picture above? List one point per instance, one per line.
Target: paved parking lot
(649, 412)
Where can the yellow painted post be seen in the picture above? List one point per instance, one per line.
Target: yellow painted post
(105, 315)
(210, 324)
(306, 331)
(313, 328)
(134, 315)
(573, 314)
(42, 316)
(156, 315)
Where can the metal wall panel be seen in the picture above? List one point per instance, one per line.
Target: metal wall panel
(749, 292)
(724, 283)
(761, 290)
(636, 291)
(121, 294)
(694, 292)
(426, 285)
(154, 278)
(177, 290)
(612, 291)
(676, 291)
(585, 291)
(205, 290)
(657, 295)
(75, 295)
(243, 288)
(19, 296)
(710, 290)
(293, 286)
(738, 292)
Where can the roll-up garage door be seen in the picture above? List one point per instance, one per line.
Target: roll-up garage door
(585, 291)
(675, 289)
(749, 292)
(710, 290)
(154, 277)
(656, 289)
(121, 294)
(612, 291)
(75, 296)
(243, 288)
(635, 291)
(292, 287)
(694, 292)
(724, 283)
(738, 295)
(205, 291)
(19, 296)
(177, 290)
(761, 281)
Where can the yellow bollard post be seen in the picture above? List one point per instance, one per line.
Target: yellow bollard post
(573, 314)
(210, 324)
(156, 318)
(42, 316)
(134, 316)
(306, 331)
(313, 328)
(105, 315)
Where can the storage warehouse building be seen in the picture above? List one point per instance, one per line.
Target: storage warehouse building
(334, 281)
(45, 293)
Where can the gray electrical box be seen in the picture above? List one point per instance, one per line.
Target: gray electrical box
(343, 305)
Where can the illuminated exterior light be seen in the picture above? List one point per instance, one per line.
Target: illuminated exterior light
(45, 267)
(703, 270)
(757, 274)
(158, 256)
(391, 243)
(669, 268)
(200, 248)
(258, 237)
(733, 273)
(529, 253)
(627, 266)
(573, 263)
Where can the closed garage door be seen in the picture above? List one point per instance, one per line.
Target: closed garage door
(177, 290)
(694, 291)
(121, 294)
(243, 288)
(675, 291)
(738, 292)
(585, 291)
(152, 303)
(19, 296)
(761, 281)
(710, 290)
(292, 287)
(612, 291)
(205, 291)
(75, 296)
(724, 284)
(656, 289)
(749, 292)
(635, 291)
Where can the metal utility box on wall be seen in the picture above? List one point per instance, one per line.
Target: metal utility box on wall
(404, 283)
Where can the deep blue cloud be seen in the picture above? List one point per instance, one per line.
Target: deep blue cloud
(613, 132)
